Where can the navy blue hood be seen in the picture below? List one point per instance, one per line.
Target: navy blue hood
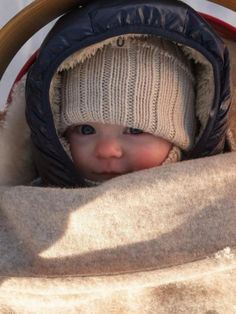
(171, 20)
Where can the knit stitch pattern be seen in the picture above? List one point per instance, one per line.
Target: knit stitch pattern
(141, 83)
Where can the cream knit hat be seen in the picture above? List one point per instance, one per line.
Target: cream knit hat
(142, 83)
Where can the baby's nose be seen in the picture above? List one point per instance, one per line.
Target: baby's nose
(108, 148)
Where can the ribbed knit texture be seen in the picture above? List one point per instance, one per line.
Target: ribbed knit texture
(139, 83)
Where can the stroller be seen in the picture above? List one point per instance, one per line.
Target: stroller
(163, 241)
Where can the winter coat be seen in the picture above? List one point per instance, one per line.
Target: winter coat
(102, 21)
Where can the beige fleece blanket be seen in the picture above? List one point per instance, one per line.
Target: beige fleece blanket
(157, 241)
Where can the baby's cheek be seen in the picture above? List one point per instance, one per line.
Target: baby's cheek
(148, 159)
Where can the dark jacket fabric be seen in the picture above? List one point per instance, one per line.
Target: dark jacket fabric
(171, 20)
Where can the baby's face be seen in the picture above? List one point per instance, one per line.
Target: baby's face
(104, 151)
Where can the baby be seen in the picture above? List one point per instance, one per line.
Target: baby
(124, 86)
(103, 151)
(128, 107)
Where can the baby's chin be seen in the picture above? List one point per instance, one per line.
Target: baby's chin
(93, 181)
(103, 176)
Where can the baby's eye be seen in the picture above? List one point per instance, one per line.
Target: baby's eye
(134, 131)
(85, 129)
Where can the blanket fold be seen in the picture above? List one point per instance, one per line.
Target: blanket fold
(102, 249)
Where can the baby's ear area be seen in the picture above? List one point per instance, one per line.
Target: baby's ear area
(173, 156)
(16, 163)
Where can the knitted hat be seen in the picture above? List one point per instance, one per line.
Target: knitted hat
(140, 83)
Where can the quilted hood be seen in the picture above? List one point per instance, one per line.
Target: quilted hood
(78, 35)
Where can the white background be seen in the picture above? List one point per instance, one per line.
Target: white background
(8, 8)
